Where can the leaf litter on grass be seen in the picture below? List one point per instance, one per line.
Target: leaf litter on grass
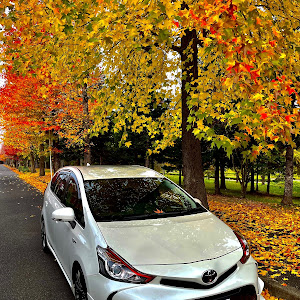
(272, 230)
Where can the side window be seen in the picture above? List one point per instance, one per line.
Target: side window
(53, 182)
(60, 187)
(73, 200)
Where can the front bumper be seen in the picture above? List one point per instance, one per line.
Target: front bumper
(243, 279)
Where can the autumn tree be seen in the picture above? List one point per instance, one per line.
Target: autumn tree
(30, 117)
(231, 61)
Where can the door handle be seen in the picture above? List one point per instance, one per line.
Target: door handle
(73, 241)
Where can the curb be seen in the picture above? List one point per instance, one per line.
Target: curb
(277, 290)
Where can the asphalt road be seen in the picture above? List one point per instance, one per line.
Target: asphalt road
(26, 272)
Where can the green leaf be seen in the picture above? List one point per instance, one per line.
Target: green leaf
(228, 152)
(219, 144)
(187, 86)
(93, 40)
(208, 49)
(209, 120)
(162, 7)
(163, 34)
(236, 121)
(276, 62)
(89, 27)
(68, 29)
(67, 3)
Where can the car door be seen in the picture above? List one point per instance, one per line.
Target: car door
(75, 244)
(54, 199)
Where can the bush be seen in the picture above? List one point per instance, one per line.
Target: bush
(23, 169)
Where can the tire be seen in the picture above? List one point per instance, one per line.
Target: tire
(80, 290)
(44, 237)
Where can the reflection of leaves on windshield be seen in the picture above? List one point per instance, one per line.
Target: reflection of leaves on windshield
(170, 196)
(125, 197)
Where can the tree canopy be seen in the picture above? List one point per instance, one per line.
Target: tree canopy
(233, 62)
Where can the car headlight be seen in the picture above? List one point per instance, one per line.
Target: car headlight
(111, 265)
(245, 247)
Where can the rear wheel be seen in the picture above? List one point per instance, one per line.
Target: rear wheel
(80, 290)
(44, 237)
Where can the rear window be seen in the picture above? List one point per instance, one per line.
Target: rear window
(137, 198)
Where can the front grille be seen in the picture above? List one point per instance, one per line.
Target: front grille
(244, 293)
(196, 285)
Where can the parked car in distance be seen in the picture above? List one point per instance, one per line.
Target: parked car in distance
(129, 233)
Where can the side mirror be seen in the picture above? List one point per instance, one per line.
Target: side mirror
(65, 214)
(198, 201)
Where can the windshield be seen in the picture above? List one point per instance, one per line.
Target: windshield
(137, 198)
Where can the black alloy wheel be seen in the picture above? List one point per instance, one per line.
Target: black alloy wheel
(80, 290)
(44, 237)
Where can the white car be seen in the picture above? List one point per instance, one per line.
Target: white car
(129, 233)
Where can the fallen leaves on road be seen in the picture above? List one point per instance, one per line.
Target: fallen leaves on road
(39, 182)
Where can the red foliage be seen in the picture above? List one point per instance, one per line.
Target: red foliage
(176, 23)
(263, 116)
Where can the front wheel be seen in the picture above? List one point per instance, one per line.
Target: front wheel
(80, 290)
(44, 237)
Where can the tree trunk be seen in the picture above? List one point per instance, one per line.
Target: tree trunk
(147, 158)
(223, 179)
(32, 163)
(191, 146)
(87, 157)
(257, 177)
(147, 161)
(152, 163)
(288, 185)
(263, 179)
(252, 188)
(245, 179)
(217, 180)
(244, 189)
(56, 159)
(42, 160)
(180, 177)
(268, 183)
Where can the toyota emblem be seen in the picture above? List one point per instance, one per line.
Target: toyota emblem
(209, 276)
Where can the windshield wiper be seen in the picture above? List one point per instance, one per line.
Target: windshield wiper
(152, 216)
(166, 214)
(185, 212)
(111, 218)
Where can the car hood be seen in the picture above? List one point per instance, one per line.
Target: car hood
(176, 240)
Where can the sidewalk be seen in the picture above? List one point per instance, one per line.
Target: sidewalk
(288, 292)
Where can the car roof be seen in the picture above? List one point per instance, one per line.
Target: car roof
(116, 171)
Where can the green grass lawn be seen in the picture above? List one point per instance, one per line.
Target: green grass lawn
(234, 190)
